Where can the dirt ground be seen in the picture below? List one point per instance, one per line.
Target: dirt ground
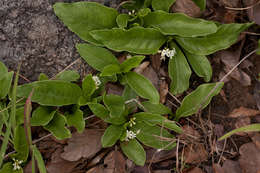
(31, 33)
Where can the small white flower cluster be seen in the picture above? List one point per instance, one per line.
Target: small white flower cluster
(131, 135)
(131, 12)
(132, 122)
(97, 81)
(17, 164)
(167, 52)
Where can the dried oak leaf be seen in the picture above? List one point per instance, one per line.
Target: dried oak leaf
(84, 145)
(231, 166)
(243, 112)
(188, 7)
(115, 162)
(249, 158)
(195, 153)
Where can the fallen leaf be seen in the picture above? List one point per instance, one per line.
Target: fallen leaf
(141, 169)
(253, 13)
(97, 159)
(188, 7)
(219, 131)
(115, 162)
(217, 168)
(142, 67)
(241, 123)
(249, 160)
(114, 89)
(84, 145)
(163, 91)
(150, 74)
(243, 112)
(97, 169)
(162, 171)
(230, 166)
(189, 134)
(256, 139)
(195, 153)
(57, 164)
(156, 61)
(228, 3)
(152, 155)
(195, 170)
(257, 94)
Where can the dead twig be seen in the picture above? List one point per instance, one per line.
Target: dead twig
(245, 8)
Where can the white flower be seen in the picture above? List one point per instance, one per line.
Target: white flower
(132, 122)
(97, 81)
(131, 135)
(167, 52)
(16, 164)
(131, 12)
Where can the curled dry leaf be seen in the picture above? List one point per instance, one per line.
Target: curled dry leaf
(188, 7)
(84, 145)
(195, 154)
(115, 163)
(249, 160)
(243, 112)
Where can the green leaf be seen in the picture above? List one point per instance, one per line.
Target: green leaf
(3, 69)
(179, 72)
(19, 115)
(134, 151)
(143, 12)
(143, 87)
(111, 70)
(68, 75)
(8, 168)
(101, 112)
(42, 76)
(122, 20)
(115, 104)
(96, 57)
(179, 24)
(51, 92)
(76, 119)
(131, 63)
(5, 84)
(83, 17)
(249, 128)
(111, 135)
(38, 157)
(162, 4)
(88, 86)
(20, 144)
(154, 136)
(200, 64)
(156, 108)
(57, 127)
(135, 40)
(201, 4)
(42, 116)
(198, 99)
(258, 52)
(226, 35)
(153, 119)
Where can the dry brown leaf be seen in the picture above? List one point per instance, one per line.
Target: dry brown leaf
(249, 158)
(85, 145)
(142, 67)
(195, 170)
(114, 89)
(241, 123)
(231, 166)
(57, 164)
(257, 94)
(97, 169)
(188, 7)
(141, 169)
(217, 168)
(97, 159)
(189, 134)
(243, 112)
(115, 163)
(156, 62)
(163, 91)
(153, 156)
(253, 13)
(150, 74)
(256, 139)
(162, 171)
(195, 153)
(228, 3)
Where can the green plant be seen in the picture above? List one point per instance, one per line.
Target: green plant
(184, 40)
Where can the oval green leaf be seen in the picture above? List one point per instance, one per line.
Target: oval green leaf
(122, 20)
(37, 155)
(135, 40)
(131, 63)
(134, 151)
(179, 24)
(83, 17)
(200, 64)
(5, 84)
(143, 87)
(226, 35)
(198, 99)
(3, 69)
(75, 119)
(51, 92)
(88, 86)
(179, 72)
(68, 75)
(20, 144)
(96, 57)
(111, 70)
(156, 108)
(162, 4)
(42, 116)
(115, 104)
(111, 135)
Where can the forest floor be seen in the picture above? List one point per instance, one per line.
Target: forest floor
(31, 33)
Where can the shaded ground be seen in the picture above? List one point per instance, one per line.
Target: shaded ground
(31, 33)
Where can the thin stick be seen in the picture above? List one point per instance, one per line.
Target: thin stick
(11, 105)
(245, 8)
(174, 97)
(74, 62)
(222, 151)
(177, 155)
(250, 33)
